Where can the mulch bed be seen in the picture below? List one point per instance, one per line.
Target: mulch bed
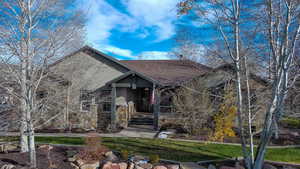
(21, 160)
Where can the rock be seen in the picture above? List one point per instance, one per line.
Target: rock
(5, 148)
(71, 153)
(210, 166)
(239, 166)
(94, 165)
(146, 165)
(110, 165)
(226, 167)
(160, 167)
(123, 165)
(72, 159)
(137, 167)
(8, 166)
(268, 166)
(79, 162)
(46, 147)
(137, 158)
(110, 156)
(74, 166)
(107, 165)
(190, 165)
(173, 166)
(130, 166)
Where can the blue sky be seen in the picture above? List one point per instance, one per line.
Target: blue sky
(131, 29)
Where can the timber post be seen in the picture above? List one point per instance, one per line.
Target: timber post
(156, 107)
(113, 107)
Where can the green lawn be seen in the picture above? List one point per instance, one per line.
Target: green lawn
(178, 150)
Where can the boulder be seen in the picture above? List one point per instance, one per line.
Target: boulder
(110, 156)
(173, 166)
(5, 148)
(226, 167)
(239, 166)
(130, 166)
(268, 166)
(74, 166)
(137, 167)
(79, 162)
(191, 165)
(160, 167)
(71, 153)
(210, 166)
(8, 166)
(72, 159)
(123, 165)
(46, 147)
(107, 165)
(146, 165)
(94, 165)
(110, 165)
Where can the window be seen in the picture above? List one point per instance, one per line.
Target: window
(86, 100)
(105, 100)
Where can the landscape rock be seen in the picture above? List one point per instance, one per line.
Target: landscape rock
(107, 165)
(5, 148)
(130, 166)
(268, 166)
(191, 165)
(239, 166)
(71, 153)
(173, 166)
(146, 165)
(94, 165)
(79, 162)
(46, 147)
(110, 165)
(8, 166)
(210, 166)
(72, 159)
(74, 166)
(226, 167)
(138, 167)
(160, 167)
(110, 156)
(123, 165)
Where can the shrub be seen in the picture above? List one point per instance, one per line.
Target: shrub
(93, 150)
(124, 154)
(291, 122)
(154, 158)
(224, 119)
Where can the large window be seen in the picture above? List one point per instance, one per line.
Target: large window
(86, 100)
(105, 100)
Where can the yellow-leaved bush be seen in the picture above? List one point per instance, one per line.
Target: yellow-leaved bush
(224, 119)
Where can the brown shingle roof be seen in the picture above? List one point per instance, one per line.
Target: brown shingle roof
(167, 72)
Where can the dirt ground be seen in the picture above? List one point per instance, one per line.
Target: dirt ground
(58, 157)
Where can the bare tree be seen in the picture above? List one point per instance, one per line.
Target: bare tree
(280, 35)
(33, 34)
(193, 104)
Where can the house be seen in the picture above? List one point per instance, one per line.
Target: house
(106, 92)
(101, 84)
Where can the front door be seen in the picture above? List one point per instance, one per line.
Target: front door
(143, 100)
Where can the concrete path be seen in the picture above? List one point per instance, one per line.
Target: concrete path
(129, 132)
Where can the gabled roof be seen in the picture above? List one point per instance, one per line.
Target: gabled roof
(167, 72)
(88, 49)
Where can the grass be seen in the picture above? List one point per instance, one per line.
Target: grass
(176, 150)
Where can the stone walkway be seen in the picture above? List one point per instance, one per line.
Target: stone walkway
(129, 132)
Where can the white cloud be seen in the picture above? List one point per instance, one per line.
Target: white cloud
(154, 55)
(118, 51)
(102, 18)
(158, 14)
